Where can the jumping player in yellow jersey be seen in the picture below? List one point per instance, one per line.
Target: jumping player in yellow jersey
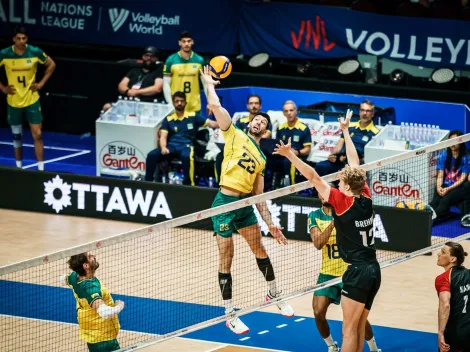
(181, 74)
(323, 235)
(96, 310)
(242, 176)
(21, 61)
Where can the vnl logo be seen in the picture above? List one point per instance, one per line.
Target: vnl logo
(118, 17)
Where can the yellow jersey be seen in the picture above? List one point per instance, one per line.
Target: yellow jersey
(331, 263)
(243, 160)
(185, 78)
(93, 328)
(21, 73)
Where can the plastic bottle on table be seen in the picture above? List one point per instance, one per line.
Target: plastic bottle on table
(286, 181)
(211, 182)
(390, 130)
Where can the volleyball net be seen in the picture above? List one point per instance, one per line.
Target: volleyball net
(167, 274)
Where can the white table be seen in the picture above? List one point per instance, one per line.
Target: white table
(412, 180)
(122, 143)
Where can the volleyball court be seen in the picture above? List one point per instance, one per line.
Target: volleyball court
(167, 273)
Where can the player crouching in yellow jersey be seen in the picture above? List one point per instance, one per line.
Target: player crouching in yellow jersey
(96, 310)
(242, 176)
(323, 235)
(21, 62)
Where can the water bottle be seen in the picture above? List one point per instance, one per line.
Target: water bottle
(407, 129)
(133, 106)
(112, 113)
(102, 115)
(390, 130)
(156, 109)
(211, 182)
(171, 178)
(286, 181)
(402, 131)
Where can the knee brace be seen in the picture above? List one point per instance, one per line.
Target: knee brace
(17, 136)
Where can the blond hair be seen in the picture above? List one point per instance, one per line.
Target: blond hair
(354, 177)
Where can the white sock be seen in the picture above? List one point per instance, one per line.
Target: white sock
(272, 288)
(329, 341)
(372, 344)
(228, 306)
(19, 163)
(41, 165)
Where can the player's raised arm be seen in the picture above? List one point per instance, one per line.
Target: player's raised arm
(306, 170)
(351, 152)
(221, 115)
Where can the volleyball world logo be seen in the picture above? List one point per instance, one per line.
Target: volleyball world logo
(51, 190)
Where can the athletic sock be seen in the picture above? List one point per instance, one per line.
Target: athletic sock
(372, 344)
(19, 163)
(228, 306)
(329, 341)
(272, 286)
(41, 165)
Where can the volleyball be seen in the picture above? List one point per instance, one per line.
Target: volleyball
(410, 204)
(220, 67)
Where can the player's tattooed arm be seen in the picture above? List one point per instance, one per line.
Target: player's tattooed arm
(306, 170)
(262, 207)
(221, 115)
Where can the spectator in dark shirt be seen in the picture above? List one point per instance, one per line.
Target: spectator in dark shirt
(144, 83)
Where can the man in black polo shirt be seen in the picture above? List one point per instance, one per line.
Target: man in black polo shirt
(144, 83)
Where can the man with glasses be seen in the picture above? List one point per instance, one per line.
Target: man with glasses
(361, 133)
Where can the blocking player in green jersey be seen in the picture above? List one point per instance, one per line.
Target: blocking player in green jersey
(181, 74)
(21, 61)
(96, 310)
(323, 235)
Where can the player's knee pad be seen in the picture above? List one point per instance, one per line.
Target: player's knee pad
(264, 264)
(17, 136)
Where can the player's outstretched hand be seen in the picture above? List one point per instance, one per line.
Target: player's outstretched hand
(206, 76)
(283, 149)
(118, 302)
(344, 124)
(276, 232)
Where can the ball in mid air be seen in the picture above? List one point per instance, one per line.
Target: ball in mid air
(220, 67)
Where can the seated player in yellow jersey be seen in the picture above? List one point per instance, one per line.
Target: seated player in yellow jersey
(323, 235)
(21, 62)
(96, 310)
(242, 176)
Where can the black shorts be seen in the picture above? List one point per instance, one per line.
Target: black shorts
(361, 282)
(458, 343)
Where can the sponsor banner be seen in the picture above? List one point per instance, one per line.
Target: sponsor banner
(303, 31)
(120, 155)
(125, 23)
(406, 184)
(96, 197)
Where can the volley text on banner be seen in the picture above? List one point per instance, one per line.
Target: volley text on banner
(303, 31)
